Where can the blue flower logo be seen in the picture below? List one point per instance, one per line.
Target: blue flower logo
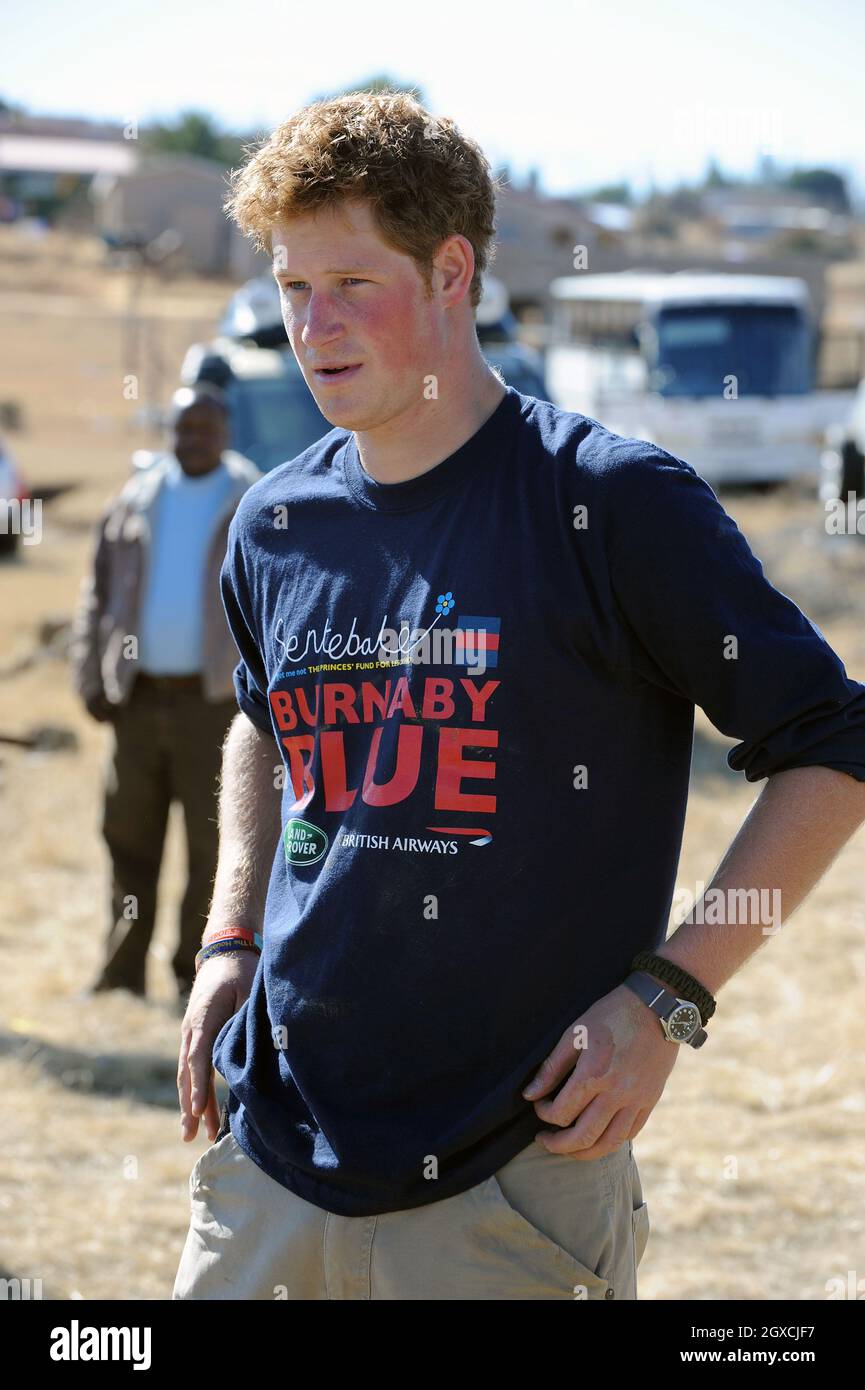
(445, 602)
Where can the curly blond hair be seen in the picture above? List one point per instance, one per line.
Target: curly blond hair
(424, 180)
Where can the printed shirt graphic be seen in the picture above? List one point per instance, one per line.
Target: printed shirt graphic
(481, 685)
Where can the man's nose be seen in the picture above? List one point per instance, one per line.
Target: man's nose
(322, 321)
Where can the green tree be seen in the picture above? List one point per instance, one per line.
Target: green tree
(714, 176)
(611, 193)
(824, 185)
(194, 133)
(379, 82)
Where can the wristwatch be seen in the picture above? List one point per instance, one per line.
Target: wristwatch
(680, 1019)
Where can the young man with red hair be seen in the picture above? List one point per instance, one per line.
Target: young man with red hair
(473, 631)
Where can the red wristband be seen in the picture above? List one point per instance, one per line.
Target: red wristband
(244, 933)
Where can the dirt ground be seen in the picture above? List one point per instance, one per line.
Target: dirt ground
(753, 1163)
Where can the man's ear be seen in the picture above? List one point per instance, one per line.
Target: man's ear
(453, 269)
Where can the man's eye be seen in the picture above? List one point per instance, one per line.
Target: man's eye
(291, 285)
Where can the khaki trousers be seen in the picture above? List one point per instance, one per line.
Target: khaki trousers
(545, 1226)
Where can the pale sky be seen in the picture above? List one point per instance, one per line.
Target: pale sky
(588, 92)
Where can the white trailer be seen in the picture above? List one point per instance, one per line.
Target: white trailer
(717, 369)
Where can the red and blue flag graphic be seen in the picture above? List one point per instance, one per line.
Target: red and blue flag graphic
(480, 635)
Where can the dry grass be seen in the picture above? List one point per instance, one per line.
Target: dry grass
(93, 1175)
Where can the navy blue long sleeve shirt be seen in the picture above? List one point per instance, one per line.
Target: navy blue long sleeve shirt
(481, 685)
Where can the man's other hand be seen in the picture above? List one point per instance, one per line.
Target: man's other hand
(221, 987)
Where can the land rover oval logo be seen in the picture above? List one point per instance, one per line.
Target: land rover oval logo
(304, 843)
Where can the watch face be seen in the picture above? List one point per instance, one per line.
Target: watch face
(683, 1022)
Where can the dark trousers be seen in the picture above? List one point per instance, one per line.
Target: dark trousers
(166, 746)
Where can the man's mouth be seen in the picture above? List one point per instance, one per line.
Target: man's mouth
(336, 373)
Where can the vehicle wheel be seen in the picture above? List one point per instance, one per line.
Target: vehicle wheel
(852, 471)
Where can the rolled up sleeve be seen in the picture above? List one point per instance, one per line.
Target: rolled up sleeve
(701, 620)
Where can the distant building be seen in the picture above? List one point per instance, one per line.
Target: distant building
(751, 216)
(45, 162)
(538, 238)
(89, 175)
(168, 192)
(843, 342)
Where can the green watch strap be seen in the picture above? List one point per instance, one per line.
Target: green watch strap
(674, 975)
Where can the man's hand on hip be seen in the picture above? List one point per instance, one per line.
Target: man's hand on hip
(623, 1060)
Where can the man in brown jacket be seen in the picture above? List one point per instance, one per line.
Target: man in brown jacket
(152, 655)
